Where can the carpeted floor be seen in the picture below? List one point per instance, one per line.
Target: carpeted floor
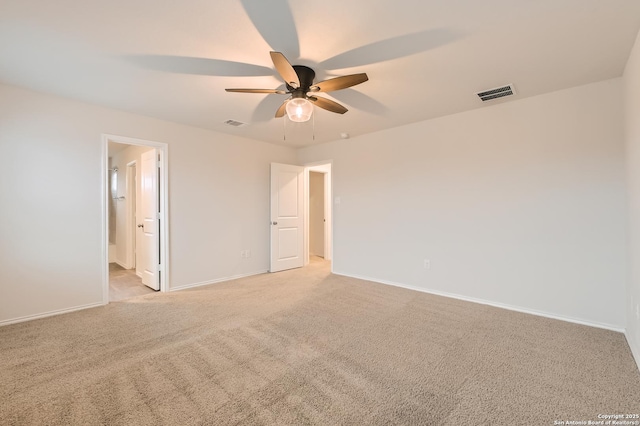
(124, 283)
(307, 347)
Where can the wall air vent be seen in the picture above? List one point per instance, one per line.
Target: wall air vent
(235, 123)
(498, 92)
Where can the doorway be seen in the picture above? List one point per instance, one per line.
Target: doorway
(135, 219)
(316, 214)
(290, 196)
(319, 212)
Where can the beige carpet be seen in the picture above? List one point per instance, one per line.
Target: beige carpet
(307, 347)
(125, 284)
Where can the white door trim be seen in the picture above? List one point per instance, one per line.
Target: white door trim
(324, 167)
(163, 150)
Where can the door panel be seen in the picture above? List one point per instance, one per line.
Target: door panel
(287, 243)
(287, 218)
(287, 197)
(147, 251)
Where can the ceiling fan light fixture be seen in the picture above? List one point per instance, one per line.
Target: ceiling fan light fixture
(299, 84)
(299, 110)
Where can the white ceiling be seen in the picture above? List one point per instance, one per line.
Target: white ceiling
(424, 58)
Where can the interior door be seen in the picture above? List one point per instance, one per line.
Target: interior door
(147, 247)
(287, 217)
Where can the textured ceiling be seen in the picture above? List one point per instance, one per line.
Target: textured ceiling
(424, 58)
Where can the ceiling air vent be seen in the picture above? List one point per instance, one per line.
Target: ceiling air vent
(496, 93)
(235, 123)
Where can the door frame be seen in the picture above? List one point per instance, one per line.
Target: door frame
(163, 193)
(324, 167)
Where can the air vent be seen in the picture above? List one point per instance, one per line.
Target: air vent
(235, 123)
(496, 93)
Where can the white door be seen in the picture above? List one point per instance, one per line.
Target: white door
(287, 217)
(147, 247)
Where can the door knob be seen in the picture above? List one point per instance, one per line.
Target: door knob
(141, 225)
(274, 223)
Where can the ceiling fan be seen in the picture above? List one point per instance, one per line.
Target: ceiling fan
(299, 84)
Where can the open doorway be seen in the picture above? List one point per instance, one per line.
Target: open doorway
(135, 223)
(317, 218)
(291, 198)
(319, 213)
(124, 279)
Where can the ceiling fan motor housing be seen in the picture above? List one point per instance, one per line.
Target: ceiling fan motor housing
(306, 76)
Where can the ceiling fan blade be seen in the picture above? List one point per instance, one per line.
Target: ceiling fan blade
(339, 83)
(328, 104)
(280, 112)
(279, 92)
(285, 69)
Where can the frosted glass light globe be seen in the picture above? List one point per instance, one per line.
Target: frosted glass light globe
(299, 110)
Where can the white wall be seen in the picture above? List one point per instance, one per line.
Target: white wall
(520, 204)
(51, 206)
(632, 136)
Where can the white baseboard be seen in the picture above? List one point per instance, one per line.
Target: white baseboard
(216, 281)
(123, 265)
(49, 314)
(634, 350)
(490, 303)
